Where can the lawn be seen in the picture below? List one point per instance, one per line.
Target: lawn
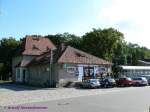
(2, 81)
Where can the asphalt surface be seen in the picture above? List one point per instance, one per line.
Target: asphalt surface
(125, 100)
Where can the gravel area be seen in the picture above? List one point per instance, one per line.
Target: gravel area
(14, 94)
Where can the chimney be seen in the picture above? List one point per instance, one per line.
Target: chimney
(62, 46)
(51, 58)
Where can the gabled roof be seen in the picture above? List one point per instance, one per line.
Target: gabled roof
(69, 55)
(36, 45)
(45, 58)
(42, 59)
(72, 55)
(23, 63)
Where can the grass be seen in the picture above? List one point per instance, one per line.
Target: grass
(2, 81)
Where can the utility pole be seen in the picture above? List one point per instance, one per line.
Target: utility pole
(50, 68)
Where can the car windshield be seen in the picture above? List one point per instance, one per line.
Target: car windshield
(146, 76)
(93, 80)
(137, 78)
(140, 78)
(111, 80)
(143, 78)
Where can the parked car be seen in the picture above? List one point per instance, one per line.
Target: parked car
(140, 81)
(108, 82)
(126, 81)
(147, 77)
(90, 83)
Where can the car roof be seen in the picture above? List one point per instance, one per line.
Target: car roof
(92, 79)
(139, 78)
(124, 77)
(145, 75)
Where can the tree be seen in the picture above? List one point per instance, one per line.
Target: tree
(135, 53)
(68, 39)
(116, 70)
(102, 43)
(7, 50)
(120, 53)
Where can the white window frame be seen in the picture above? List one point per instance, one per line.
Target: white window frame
(71, 71)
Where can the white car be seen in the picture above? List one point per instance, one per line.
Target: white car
(140, 81)
(147, 77)
(91, 83)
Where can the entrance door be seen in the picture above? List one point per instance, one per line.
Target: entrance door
(88, 72)
(18, 75)
(23, 77)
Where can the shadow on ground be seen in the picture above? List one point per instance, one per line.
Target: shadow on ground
(20, 87)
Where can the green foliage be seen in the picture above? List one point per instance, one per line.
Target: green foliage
(4, 71)
(135, 53)
(7, 50)
(68, 39)
(116, 70)
(1, 70)
(102, 43)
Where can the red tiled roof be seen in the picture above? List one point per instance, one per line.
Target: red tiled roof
(41, 59)
(23, 63)
(36, 45)
(72, 55)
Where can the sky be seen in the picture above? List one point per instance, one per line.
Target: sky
(42, 17)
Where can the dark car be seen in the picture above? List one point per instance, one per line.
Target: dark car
(90, 83)
(108, 82)
(126, 81)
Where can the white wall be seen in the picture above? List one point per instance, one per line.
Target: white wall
(80, 68)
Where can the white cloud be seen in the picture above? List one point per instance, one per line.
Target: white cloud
(131, 17)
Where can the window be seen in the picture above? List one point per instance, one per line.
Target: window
(102, 69)
(88, 71)
(71, 69)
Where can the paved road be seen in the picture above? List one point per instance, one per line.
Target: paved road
(127, 100)
(11, 94)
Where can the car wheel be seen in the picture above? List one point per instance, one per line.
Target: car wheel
(137, 84)
(122, 85)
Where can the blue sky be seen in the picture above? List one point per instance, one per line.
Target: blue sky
(26, 17)
(21, 17)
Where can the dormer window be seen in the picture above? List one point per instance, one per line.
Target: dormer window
(36, 38)
(79, 54)
(34, 47)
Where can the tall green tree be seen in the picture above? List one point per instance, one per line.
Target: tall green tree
(68, 39)
(7, 50)
(102, 42)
